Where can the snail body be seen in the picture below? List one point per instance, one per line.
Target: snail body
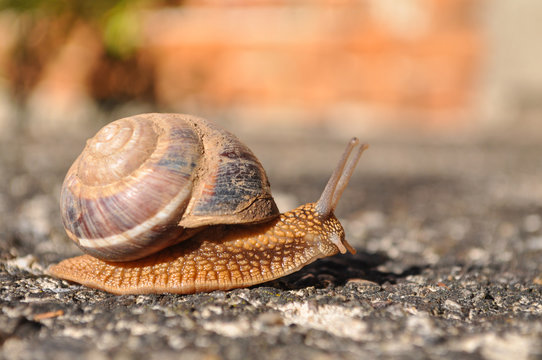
(177, 205)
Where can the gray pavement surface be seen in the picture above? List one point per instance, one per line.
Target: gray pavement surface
(449, 240)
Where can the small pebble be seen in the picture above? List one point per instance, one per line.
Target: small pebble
(452, 305)
(532, 223)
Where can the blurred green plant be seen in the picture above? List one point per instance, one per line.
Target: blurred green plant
(118, 21)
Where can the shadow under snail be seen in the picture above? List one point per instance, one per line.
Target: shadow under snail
(172, 203)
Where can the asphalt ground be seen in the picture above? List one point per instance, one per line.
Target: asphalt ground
(449, 241)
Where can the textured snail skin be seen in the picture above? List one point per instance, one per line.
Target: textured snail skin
(218, 258)
(172, 203)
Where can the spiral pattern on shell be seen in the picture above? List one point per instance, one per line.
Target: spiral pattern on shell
(143, 183)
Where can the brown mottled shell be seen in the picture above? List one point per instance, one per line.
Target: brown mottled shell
(142, 183)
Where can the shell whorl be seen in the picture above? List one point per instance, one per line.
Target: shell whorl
(142, 181)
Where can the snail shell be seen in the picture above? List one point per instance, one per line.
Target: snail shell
(172, 203)
(146, 182)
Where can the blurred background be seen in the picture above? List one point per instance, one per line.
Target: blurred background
(448, 93)
(363, 65)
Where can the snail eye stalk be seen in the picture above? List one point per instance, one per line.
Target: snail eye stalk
(339, 179)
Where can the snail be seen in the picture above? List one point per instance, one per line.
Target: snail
(172, 203)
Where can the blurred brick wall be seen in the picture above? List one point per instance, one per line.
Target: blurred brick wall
(318, 59)
(364, 62)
